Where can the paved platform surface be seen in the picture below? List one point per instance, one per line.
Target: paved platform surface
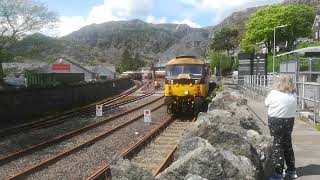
(306, 143)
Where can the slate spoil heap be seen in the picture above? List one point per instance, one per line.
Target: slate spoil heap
(224, 143)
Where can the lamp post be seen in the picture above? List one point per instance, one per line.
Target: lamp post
(274, 44)
(220, 65)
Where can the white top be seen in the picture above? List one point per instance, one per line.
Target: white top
(281, 105)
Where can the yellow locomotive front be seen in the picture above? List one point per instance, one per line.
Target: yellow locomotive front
(186, 84)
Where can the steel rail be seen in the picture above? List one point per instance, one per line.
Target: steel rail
(58, 119)
(105, 173)
(62, 155)
(69, 135)
(170, 157)
(62, 116)
(112, 106)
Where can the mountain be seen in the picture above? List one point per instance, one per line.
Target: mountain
(106, 42)
(308, 2)
(239, 19)
(236, 20)
(35, 46)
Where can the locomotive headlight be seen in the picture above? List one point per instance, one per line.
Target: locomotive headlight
(171, 81)
(191, 84)
(196, 82)
(186, 92)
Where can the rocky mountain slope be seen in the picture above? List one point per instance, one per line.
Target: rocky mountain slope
(236, 19)
(106, 42)
(309, 2)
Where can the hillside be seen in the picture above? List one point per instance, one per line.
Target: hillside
(237, 19)
(309, 2)
(106, 42)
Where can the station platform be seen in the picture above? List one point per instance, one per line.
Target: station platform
(306, 143)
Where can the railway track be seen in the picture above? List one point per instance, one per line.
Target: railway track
(154, 151)
(95, 136)
(107, 105)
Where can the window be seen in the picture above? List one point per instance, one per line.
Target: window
(192, 70)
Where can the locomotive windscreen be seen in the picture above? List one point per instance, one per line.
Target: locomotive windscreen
(194, 70)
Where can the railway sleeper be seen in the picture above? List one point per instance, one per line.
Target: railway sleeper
(158, 147)
(176, 128)
(174, 131)
(148, 160)
(168, 137)
(147, 166)
(171, 143)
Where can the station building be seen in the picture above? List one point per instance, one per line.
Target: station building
(66, 71)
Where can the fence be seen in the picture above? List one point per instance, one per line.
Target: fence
(21, 105)
(308, 93)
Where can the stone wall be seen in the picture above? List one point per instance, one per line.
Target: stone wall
(23, 104)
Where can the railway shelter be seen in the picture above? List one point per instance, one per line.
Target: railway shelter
(301, 62)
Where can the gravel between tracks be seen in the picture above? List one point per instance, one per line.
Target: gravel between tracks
(156, 151)
(83, 163)
(24, 140)
(35, 158)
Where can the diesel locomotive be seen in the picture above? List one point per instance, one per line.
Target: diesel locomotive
(186, 85)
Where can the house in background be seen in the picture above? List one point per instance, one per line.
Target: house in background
(316, 28)
(103, 72)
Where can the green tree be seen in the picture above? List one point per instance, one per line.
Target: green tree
(18, 17)
(218, 59)
(299, 19)
(225, 40)
(126, 61)
(138, 62)
(129, 63)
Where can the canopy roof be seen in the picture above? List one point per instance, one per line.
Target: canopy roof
(303, 51)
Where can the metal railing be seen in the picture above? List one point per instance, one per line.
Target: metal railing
(308, 93)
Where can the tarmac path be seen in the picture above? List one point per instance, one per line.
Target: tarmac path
(306, 143)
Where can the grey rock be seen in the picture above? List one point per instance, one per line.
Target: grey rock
(210, 163)
(222, 130)
(124, 170)
(186, 145)
(262, 145)
(194, 177)
(233, 102)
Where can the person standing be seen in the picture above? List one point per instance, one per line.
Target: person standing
(282, 105)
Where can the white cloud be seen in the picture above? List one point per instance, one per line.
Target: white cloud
(154, 20)
(127, 8)
(188, 22)
(114, 10)
(226, 4)
(223, 8)
(189, 2)
(100, 14)
(111, 10)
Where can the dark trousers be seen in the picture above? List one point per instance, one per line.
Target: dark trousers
(282, 151)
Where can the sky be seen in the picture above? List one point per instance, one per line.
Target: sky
(74, 14)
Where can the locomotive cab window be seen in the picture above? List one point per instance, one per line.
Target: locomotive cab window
(191, 69)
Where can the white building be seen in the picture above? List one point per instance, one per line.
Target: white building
(316, 28)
